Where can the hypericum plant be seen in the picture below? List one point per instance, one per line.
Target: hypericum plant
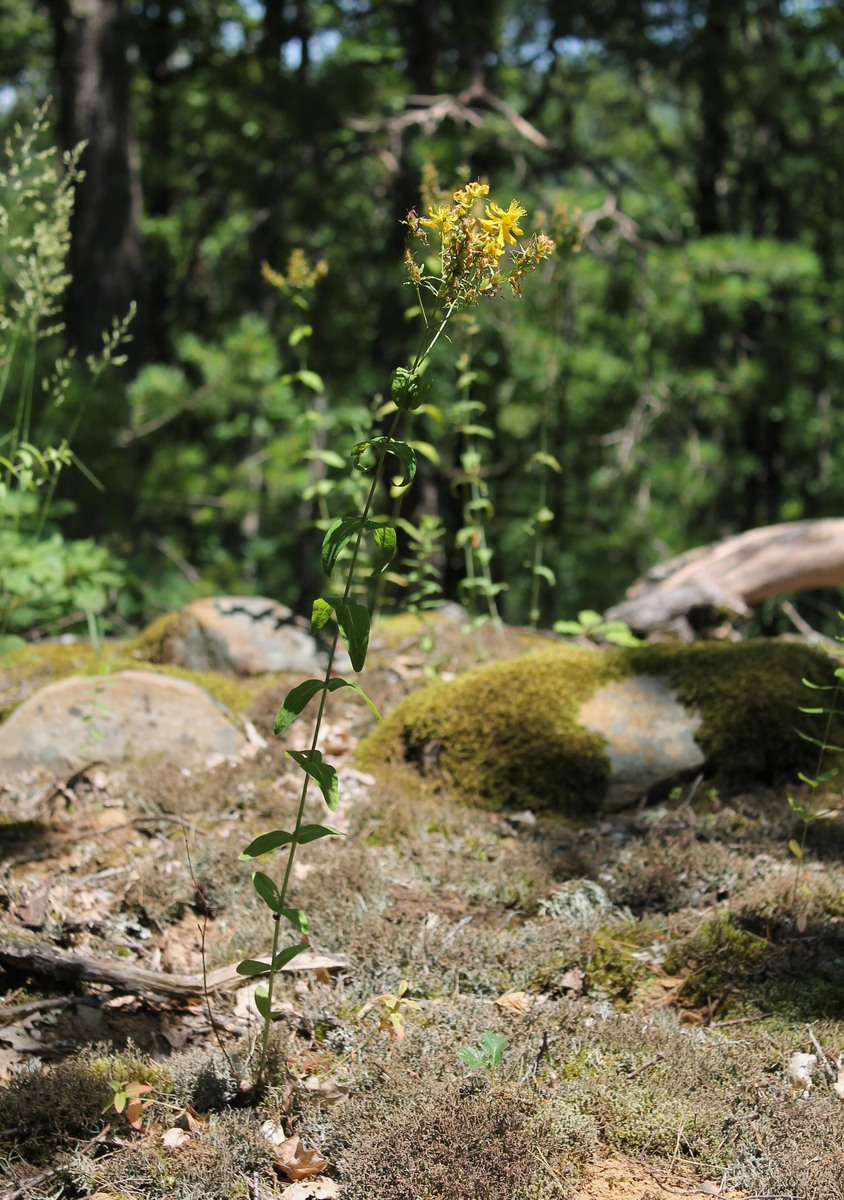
(474, 263)
(478, 590)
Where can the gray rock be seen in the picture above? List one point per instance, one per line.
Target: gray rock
(650, 736)
(246, 635)
(112, 718)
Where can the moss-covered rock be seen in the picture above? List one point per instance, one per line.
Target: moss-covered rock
(512, 734)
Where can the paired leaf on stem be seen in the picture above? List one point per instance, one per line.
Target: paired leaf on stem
(344, 529)
(297, 700)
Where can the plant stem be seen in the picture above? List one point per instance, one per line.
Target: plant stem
(300, 812)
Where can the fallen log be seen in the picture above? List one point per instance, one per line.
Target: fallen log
(698, 591)
(40, 958)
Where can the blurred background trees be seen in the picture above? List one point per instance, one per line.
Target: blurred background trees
(684, 369)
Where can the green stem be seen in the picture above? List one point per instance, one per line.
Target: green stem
(265, 1041)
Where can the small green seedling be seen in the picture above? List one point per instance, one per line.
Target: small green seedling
(127, 1098)
(592, 625)
(486, 1055)
(396, 1011)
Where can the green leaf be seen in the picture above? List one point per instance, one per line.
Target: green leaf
(300, 332)
(285, 956)
(249, 966)
(589, 619)
(544, 573)
(541, 459)
(262, 1002)
(338, 535)
(794, 847)
(301, 695)
(323, 607)
(795, 805)
(266, 842)
(267, 890)
(297, 918)
(311, 380)
(473, 1059)
(384, 537)
(322, 773)
(408, 389)
(819, 687)
(340, 682)
(493, 1045)
(353, 619)
(295, 702)
(820, 744)
(567, 627)
(311, 833)
(403, 451)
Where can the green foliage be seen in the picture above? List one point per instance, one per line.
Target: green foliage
(486, 1056)
(46, 580)
(592, 625)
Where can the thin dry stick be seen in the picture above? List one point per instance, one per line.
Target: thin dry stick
(202, 931)
(823, 1055)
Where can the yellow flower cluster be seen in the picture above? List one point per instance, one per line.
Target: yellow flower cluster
(301, 275)
(473, 248)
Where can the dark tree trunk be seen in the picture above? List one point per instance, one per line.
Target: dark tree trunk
(106, 259)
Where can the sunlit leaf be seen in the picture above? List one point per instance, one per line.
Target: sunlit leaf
(322, 773)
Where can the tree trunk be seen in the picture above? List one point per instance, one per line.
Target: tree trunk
(695, 592)
(106, 259)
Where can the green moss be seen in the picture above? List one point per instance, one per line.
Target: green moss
(749, 695)
(744, 964)
(507, 734)
(36, 666)
(150, 643)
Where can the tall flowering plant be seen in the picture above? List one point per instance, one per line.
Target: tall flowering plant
(479, 255)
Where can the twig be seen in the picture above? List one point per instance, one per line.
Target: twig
(540, 1054)
(740, 1021)
(36, 1180)
(645, 1065)
(811, 635)
(823, 1055)
(203, 927)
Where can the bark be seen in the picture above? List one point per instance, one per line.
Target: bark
(702, 587)
(106, 259)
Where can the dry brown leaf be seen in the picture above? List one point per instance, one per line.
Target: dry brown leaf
(330, 1091)
(294, 1161)
(187, 1120)
(315, 1189)
(572, 981)
(516, 1003)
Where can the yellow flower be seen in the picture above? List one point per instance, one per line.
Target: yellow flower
(503, 224)
(440, 217)
(466, 197)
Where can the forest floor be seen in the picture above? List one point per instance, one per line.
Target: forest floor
(653, 973)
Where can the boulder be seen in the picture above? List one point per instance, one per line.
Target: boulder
(245, 635)
(583, 730)
(112, 718)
